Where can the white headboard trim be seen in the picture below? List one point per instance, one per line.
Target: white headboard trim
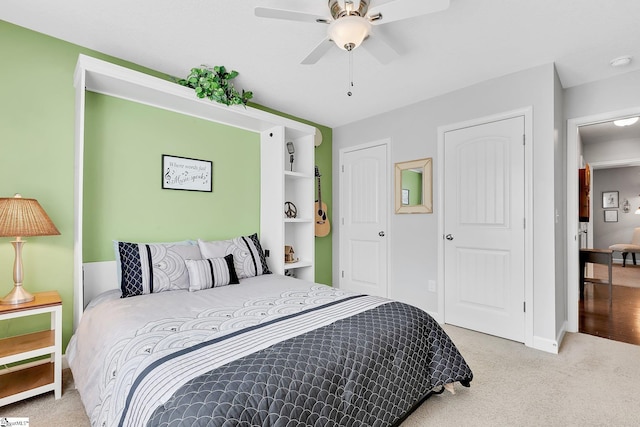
(98, 277)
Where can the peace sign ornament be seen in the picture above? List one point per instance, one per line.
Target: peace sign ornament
(290, 210)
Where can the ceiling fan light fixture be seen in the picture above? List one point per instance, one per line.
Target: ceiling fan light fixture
(625, 122)
(620, 61)
(348, 32)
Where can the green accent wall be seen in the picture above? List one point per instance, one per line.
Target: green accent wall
(37, 113)
(123, 196)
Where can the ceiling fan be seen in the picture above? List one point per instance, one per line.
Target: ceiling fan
(351, 21)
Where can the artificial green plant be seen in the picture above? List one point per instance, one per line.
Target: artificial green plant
(214, 83)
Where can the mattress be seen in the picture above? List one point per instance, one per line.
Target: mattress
(269, 351)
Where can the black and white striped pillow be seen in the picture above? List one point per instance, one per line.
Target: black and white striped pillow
(211, 273)
(248, 256)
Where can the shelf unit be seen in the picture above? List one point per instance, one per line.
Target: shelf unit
(30, 379)
(102, 77)
(280, 184)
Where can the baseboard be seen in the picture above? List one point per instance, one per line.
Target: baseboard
(436, 316)
(561, 333)
(545, 344)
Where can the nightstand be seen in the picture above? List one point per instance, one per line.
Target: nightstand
(23, 381)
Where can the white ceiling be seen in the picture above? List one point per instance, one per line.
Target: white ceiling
(608, 132)
(470, 42)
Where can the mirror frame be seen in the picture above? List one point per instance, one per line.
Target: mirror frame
(427, 186)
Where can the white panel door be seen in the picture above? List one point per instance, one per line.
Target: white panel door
(364, 209)
(484, 228)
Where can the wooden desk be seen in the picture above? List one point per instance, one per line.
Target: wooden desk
(596, 256)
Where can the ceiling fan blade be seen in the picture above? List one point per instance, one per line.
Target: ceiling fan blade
(289, 15)
(318, 52)
(404, 9)
(379, 49)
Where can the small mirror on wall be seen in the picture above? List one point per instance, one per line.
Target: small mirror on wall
(413, 186)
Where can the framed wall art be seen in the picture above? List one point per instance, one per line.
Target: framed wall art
(610, 216)
(609, 199)
(405, 196)
(183, 173)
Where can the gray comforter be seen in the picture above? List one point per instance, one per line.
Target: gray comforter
(366, 370)
(271, 351)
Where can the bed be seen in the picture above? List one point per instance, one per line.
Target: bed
(269, 351)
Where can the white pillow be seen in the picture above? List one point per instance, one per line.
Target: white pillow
(248, 256)
(211, 273)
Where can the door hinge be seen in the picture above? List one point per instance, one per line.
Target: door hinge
(524, 139)
(342, 168)
(524, 306)
(343, 274)
(524, 222)
(342, 221)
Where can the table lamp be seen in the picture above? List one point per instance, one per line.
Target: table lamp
(22, 218)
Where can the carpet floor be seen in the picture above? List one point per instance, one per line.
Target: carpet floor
(591, 382)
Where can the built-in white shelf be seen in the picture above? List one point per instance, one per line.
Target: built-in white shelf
(300, 220)
(297, 175)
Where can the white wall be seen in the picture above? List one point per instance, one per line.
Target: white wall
(623, 149)
(615, 94)
(560, 214)
(413, 133)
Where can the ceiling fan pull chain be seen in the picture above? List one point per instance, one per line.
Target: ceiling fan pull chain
(350, 85)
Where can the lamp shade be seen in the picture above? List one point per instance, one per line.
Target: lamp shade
(349, 31)
(21, 217)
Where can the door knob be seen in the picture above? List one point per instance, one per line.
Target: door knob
(381, 234)
(448, 237)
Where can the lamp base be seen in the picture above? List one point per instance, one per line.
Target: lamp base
(17, 296)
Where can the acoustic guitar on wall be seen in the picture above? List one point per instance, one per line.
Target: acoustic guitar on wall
(322, 220)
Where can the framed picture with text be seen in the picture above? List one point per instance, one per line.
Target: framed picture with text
(183, 173)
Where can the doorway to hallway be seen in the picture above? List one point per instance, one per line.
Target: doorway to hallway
(594, 315)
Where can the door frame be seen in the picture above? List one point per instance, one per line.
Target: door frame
(527, 112)
(386, 142)
(573, 243)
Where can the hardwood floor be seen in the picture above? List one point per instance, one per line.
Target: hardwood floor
(619, 321)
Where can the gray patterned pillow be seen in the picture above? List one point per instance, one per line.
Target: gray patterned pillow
(116, 248)
(211, 273)
(154, 267)
(248, 256)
